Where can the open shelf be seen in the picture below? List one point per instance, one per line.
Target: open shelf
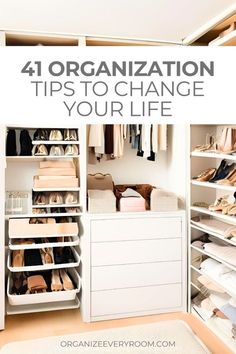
(213, 155)
(74, 242)
(48, 266)
(50, 306)
(58, 189)
(213, 185)
(217, 214)
(38, 158)
(46, 215)
(55, 142)
(202, 251)
(212, 280)
(220, 237)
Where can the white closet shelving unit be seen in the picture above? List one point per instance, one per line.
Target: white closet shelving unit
(208, 192)
(26, 167)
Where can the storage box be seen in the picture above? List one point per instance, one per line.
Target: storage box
(54, 171)
(162, 200)
(57, 164)
(27, 299)
(22, 228)
(56, 182)
(132, 204)
(101, 201)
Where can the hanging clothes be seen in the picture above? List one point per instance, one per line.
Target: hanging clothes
(120, 134)
(146, 139)
(109, 139)
(162, 137)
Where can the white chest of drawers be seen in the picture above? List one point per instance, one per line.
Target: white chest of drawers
(133, 264)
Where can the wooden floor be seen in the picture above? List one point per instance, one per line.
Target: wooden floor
(38, 325)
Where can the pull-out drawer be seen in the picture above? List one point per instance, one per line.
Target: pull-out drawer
(108, 302)
(135, 228)
(134, 275)
(126, 252)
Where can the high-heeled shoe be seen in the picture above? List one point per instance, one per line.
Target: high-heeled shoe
(222, 171)
(56, 284)
(66, 281)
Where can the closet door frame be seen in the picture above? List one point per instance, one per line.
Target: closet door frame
(2, 226)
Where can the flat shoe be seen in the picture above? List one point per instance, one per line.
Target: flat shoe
(66, 281)
(56, 284)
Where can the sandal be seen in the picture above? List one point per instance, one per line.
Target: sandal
(207, 145)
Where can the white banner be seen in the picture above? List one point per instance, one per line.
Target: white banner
(74, 85)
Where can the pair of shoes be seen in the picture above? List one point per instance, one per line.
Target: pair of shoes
(58, 150)
(19, 284)
(61, 280)
(47, 255)
(230, 179)
(70, 135)
(223, 171)
(205, 175)
(63, 255)
(210, 144)
(219, 204)
(42, 221)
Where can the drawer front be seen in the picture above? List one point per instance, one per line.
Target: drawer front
(135, 228)
(133, 275)
(126, 252)
(108, 302)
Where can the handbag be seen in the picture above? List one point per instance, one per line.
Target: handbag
(100, 181)
(41, 134)
(70, 135)
(56, 150)
(55, 198)
(71, 198)
(71, 150)
(39, 150)
(55, 134)
(227, 142)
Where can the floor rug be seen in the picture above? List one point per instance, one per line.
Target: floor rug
(161, 337)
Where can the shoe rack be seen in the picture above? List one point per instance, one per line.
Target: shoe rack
(207, 192)
(25, 168)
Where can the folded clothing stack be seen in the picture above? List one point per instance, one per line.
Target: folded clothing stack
(101, 201)
(51, 174)
(131, 201)
(162, 200)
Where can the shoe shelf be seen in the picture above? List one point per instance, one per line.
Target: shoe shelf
(43, 307)
(41, 215)
(55, 142)
(202, 251)
(49, 266)
(213, 155)
(46, 297)
(38, 158)
(213, 185)
(207, 231)
(228, 40)
(43, 206)
(215, 281)
(75, 241)
(57, 189)
(45, 236)
(217, 214)
(195, 286)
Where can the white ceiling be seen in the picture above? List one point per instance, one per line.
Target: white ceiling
(167, 20)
